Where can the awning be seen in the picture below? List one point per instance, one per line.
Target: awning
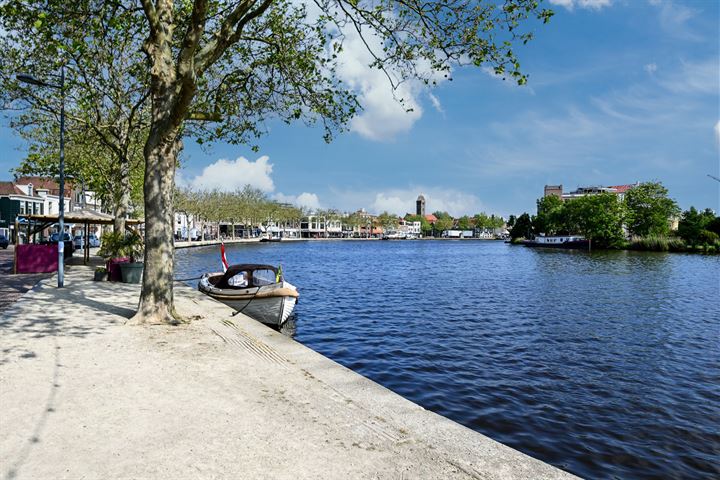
(85, 217)
(89, 216)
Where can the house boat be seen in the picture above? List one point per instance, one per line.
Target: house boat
(574, 242)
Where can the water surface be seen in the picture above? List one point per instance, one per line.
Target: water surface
(604, 364)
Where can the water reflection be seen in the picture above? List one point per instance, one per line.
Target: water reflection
(603, 363)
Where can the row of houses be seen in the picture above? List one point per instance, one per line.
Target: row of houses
(33, 195)
(30, 195)
(310, 226)
(362, 225)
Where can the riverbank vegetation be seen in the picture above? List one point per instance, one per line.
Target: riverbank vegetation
(246, 206)
(646, 218)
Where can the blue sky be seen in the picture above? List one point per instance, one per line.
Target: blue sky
(619, 91)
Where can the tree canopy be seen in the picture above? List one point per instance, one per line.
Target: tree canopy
(549, 219)
(693, 224)
(104, 93)
(649, 209)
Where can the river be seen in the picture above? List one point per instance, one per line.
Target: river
(605, 364)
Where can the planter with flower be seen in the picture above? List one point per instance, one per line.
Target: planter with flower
(101, 273)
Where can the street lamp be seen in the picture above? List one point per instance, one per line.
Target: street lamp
(29, 79)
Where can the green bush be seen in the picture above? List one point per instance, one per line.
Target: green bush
(708, 238)
(117, 244)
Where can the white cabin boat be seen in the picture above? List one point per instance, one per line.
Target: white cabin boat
(258, 291)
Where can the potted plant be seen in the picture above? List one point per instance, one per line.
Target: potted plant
(122, 251)
(100, 274)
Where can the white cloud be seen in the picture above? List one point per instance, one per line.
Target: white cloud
(589, 4)
(674, 19)
(383, 117)
(650, 68)
(397, 204)
(228, 175)
(308, 200)
(305, 199)
(695, 77)
(435, 102)
(402, 201)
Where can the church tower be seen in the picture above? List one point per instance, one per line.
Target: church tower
(420, 206)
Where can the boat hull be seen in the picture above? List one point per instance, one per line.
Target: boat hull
(572, 245)
(271, 311)
(269, 304)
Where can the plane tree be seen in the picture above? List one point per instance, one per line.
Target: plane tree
(88, 163)
(388, 221)
(106, 94)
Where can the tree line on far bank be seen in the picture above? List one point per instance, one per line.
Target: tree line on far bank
(642, 221)
(250, 206)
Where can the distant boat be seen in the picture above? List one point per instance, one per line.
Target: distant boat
(258, 291)
(394, 236)
(568, 241)
(271, 239)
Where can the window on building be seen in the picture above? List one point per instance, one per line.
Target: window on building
(22, 208)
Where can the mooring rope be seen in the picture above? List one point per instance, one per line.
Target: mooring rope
(234, 313)
(186, 279)
(248, 303)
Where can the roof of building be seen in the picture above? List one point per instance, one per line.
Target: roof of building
(622, 188)
(45, 183)
(9, 188)
(84, 216)
(431, 218)
(42, 183)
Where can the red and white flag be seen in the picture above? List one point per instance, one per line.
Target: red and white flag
(222, 257)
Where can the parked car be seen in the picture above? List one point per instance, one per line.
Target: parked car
(4, 242)
(79, 241)
(69, 248)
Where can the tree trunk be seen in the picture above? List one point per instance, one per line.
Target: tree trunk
(121, 206)
(156, 299)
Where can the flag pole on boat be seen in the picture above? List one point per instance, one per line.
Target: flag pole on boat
(222, 257)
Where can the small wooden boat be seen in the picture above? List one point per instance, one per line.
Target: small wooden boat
(259, 291)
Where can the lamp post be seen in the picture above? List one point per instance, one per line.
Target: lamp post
(61, 204)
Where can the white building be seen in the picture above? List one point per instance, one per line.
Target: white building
(320, 226)
(409, 229)
(46, 189)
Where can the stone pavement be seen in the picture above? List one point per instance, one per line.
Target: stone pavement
(83, 396)
(13, 286)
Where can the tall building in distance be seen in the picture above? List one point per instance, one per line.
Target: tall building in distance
(619, 190)
(420, 206)
(555, 190)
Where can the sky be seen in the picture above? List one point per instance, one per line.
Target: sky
(619, 91)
